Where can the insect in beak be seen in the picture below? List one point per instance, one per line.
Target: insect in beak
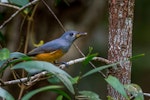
(80, 34)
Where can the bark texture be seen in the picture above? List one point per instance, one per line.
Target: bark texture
(120, 41)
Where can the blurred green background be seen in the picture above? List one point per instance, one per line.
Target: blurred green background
(82, 15)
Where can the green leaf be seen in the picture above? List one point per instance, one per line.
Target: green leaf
(62, 93)
(37, 66)
(19, 2)
(20, 57)
(53, 80)
(4, 94)
(90, 50)
(137, 56)
(99, 69)
(88, 95)
(30, 94)
(75, 80)
(89, 58)
(5, 63)
(60, 97)
(17, 55)
(110, 98)
(135, 90)
(4, 54)
(115, 83)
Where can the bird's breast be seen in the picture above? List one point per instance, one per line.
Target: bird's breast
(50, 57)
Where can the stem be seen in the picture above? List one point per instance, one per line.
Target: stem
(21, 92)
(17, 12)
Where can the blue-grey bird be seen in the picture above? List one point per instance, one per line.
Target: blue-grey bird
(53, 50)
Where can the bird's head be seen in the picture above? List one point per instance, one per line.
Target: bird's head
(72, 35)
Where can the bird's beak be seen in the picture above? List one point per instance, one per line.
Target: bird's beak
(80, 34)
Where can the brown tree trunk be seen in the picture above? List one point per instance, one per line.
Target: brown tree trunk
(120, 41)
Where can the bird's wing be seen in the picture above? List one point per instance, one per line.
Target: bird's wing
(46, 48)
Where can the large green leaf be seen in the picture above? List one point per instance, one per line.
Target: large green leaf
(37, 66)
(18, 58)
(115, 83)
(99, 69)
(135, 90)
(88, 95)
(4, 94)
(19, 2)
(30, 94)
(17, 55)
(4, 54)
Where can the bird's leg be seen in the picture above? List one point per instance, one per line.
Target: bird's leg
(59, 63)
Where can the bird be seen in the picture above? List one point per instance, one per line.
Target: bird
(55, 49)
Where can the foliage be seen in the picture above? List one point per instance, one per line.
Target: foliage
(4, 94)
(57, 75)
(33, 67)
(52, 88)
(135, 90)
(4, 54)
(89, 95)
(114, 82)
(19, 2)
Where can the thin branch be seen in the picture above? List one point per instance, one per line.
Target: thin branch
(17, 12)
(9, 5)
(42, 74)
(146, 94)
(54, 15)
(71, 62)
(24, 80)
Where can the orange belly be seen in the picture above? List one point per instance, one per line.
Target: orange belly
(49, 57)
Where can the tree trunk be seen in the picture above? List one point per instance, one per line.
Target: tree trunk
(120, 41)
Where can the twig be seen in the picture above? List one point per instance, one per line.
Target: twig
(9, 5)
(23, 80)
(42, 74)
(146, 94)
(54, 15)
(17, 12)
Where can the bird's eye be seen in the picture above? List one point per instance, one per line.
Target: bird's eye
(71, 34)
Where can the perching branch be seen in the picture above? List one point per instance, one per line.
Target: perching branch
(17, 12)
(24, 80)
(43, 74)
(146, 94)
(71, 62)
(9, 5)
